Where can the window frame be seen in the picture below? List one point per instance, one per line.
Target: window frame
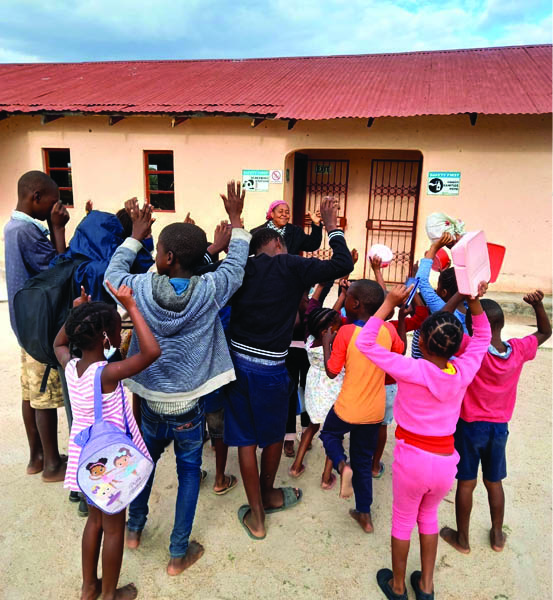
(148, 172)
(48, 169)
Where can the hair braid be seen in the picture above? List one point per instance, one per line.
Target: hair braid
(442, 333)
(319, 319)
(87, 322)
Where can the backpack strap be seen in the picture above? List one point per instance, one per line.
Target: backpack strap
(98, 400)
(44, 381)
(127, 428)
(98, 395)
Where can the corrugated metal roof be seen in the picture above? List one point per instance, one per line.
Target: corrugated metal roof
(509, 80)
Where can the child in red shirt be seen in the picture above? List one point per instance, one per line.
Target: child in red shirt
(482, 431)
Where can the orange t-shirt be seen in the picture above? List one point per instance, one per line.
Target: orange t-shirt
(362, 398)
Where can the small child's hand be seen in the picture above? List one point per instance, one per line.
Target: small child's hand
(398, 295)
(343, 285)
(221, 237)
(354, 255)
(376, 263)
(123, 295)
(406, 312)
(59, 215)
(328, 336)
(189, 219)
(329, 212)
(234, 202)
(445, 240)
(482, 288)
(82, 299)
(534, 298)
(142, 221)
(89, 207)
(131, 206)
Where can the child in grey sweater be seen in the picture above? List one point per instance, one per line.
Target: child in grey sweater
(182, 310)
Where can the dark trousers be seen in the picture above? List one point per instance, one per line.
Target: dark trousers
(362, 445)
(297, 364)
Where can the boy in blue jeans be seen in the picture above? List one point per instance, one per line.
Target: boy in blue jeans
(482, 430)
(182, 310)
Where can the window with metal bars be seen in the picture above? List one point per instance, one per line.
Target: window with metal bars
(160, 179)
(57, 164)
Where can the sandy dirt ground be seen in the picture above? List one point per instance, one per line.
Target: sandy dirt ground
(315, 550)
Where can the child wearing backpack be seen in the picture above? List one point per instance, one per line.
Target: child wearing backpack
(182, 310)
(92, 328)
(30, 246)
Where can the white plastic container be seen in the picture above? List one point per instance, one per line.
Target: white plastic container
(383, 252)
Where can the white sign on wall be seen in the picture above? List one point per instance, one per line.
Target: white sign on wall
(443, 183)
(276, 176)
(255, 180)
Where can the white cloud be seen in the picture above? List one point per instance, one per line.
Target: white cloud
(12, 56)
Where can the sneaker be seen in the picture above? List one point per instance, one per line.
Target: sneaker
(74, 497)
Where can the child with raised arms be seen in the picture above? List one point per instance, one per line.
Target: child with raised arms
(360, 406)
(427, 406)
(320, 390)
(91, 328)
(482, 430)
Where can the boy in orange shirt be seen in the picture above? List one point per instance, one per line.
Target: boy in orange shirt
(360, 407)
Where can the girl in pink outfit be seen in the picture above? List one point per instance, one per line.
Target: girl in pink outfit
(427, 406)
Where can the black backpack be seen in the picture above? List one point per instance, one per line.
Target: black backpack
(41, 307)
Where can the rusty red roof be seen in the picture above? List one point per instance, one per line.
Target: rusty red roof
(508, 80)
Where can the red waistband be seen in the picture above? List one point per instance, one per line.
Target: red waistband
(437, 444)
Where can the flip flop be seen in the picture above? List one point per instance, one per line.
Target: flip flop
(383, 578)
(242, 512)
(289, 499)
(415, 583)
(232, 481)
(302, 471)
(381, 472)
(329, 486)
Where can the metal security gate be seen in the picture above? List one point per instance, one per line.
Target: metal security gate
(325, 177)
(392, 219)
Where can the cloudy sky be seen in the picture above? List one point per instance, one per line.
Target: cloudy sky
(90, 30)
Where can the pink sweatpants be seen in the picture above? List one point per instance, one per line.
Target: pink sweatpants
(420, 481)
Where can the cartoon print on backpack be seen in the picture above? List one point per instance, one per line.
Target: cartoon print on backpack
(103, 491)
(98, 471)
(124, 463)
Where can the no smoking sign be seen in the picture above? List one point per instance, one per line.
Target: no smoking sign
(276, 176)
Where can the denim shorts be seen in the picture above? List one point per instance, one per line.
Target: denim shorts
(256, 408)
(481, 441)
(391, 391)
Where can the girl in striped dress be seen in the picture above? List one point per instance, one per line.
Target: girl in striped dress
(91, 329)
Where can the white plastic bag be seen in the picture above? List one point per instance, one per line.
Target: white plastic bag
(440, 223)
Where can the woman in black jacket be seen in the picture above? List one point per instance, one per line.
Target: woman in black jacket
(278, 217)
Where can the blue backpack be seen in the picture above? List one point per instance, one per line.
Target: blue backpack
(112, 471)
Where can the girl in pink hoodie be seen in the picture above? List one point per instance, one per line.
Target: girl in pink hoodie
(427, 406)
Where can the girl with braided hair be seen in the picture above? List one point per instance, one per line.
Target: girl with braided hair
(91, 329)
(320, 391)
(427, 407)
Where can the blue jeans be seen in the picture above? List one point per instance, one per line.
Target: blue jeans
(186, 431)
(362, 444)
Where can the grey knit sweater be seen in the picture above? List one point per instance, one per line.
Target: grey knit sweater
(194, 359)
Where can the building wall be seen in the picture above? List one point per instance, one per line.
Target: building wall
(505, 165)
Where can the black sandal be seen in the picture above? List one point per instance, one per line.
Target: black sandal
(416, 584)
(383, 578)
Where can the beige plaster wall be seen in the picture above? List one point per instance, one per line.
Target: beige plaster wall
(505, 165)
